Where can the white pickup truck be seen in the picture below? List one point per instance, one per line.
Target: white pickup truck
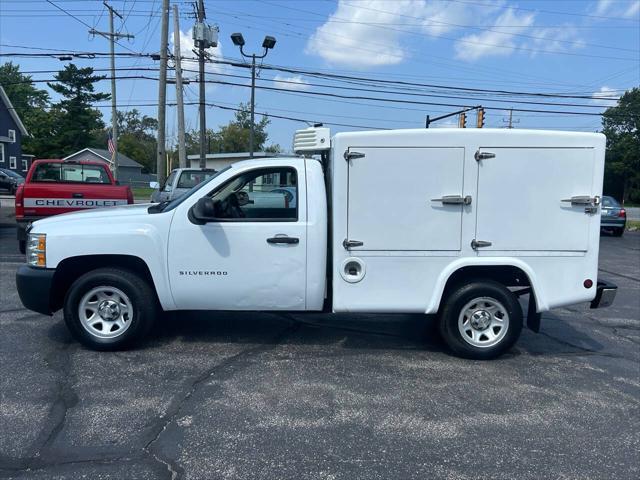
(457, 223)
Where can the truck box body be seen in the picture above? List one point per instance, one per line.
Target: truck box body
(411, 242)
(453, 222)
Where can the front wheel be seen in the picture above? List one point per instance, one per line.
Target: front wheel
(109, 309)
(481, 320)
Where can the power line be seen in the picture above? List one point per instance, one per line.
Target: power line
(462, 40)
(85, 23)
(553, 12)
(370, 90)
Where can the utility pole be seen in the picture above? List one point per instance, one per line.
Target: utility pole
(511, 121)
(203, 117)
(162, 95)
(112, 36)
(182, 149)
(253, 105)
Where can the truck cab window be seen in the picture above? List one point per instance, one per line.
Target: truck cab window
(267, 194)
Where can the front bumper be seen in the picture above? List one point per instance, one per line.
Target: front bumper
(34, 288)
(605, 294)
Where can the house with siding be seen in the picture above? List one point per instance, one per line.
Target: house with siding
(12, 131)
(129, 171)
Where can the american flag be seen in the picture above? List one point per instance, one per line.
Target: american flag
(110, 144)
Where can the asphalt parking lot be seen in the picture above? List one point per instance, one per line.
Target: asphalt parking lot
(234, 396)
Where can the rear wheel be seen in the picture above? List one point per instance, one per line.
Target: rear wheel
(618, 231)
(481, 320)
(109, 309)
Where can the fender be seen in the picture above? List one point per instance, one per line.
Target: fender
(443, 278)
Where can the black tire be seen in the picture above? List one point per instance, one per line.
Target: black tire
(139, 293)
(618, 231)
(462, 296)
(22, 246)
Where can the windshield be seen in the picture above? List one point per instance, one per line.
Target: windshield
(11, 173)
(167, 206)
(73, 173)
(191, 179)
(610, 202)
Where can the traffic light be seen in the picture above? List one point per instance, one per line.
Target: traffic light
(462, 120)
(480, 123)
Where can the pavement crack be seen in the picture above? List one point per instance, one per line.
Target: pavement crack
(177, 405)
(66, 398)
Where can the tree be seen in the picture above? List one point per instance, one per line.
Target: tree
(137, 137)
(233, 137)
(621, 126)
(77, 123)
(31, 105)
(192, 141)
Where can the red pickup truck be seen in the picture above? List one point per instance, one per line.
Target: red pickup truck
(61, 186)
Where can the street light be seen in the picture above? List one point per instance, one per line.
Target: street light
(268, 43)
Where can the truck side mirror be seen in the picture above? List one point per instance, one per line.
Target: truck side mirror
(203, 211)
(154, 185)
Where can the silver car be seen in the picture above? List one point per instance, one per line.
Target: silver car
(612, 216)
(180, 181)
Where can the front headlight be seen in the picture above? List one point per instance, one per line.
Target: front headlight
(37, 249)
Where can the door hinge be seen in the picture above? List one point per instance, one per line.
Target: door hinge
(351, 155)
(475, 244)
(483, 155)
(347, 244)
(453, 200)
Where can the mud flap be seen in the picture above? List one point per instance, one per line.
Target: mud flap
(533, 317)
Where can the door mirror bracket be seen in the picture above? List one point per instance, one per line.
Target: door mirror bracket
(203, 211)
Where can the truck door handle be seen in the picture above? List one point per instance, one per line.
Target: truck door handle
(453, 200)
(475, 244)
(583, 200)
(77, 195)
(289, 240)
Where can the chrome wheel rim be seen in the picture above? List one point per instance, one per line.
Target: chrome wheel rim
(483, 322)
(105, 312)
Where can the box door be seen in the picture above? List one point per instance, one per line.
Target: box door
(524, 198)
(394, 198)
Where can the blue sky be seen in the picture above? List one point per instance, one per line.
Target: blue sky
(575, 47)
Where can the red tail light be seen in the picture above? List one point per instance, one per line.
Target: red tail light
(622, 213)
(19, 199)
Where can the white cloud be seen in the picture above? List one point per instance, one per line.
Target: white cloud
(186, 50)
(603, 6)
(604, 92)
(370, 33)
(479, 45)
(295, 82)
(554, 39)
(611, 8)
(633, 11)
(361, 43)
